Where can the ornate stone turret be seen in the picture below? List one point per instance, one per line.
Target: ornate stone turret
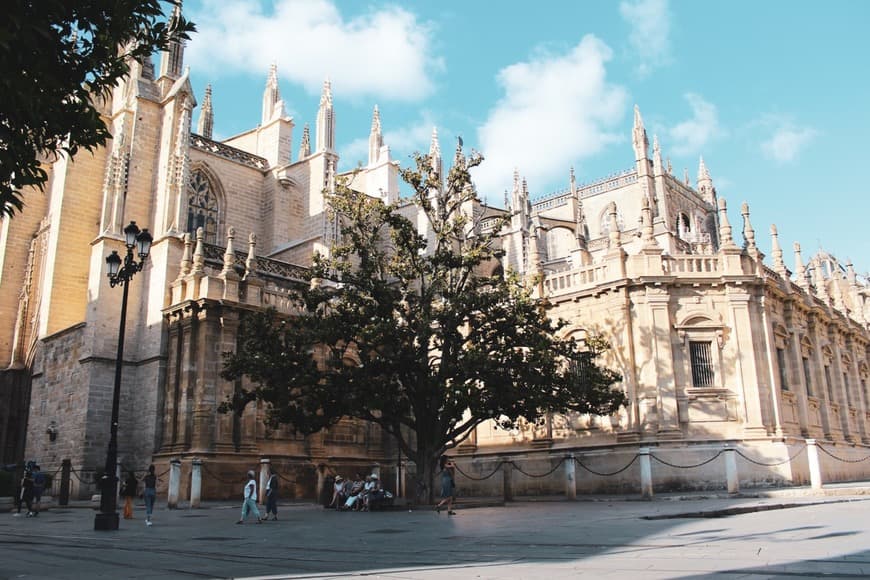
(435, 153)
(748, 232)
(614, 235)
(640, 142)
(705, 182)
(855, 293)
(305, 145)
(206, 115)
(837, 291)
(376, 139)
(271, 95)
(658, 168)
(800, 272)
(819, 281)
(647, 238)
(325, 127)
(172, 59)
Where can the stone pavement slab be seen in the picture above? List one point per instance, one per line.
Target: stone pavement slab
(604, 539)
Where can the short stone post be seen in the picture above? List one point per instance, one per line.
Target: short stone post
(65, 471)
(570, 477)
(195, 482)
(506, 468)
(732, 478)
(174, 483)
(813, 461)
(265, 464)
(646, 484)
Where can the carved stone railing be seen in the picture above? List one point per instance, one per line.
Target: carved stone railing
(568, 281)
(265, 267)
(609, 183)
(693, 264)
(227, 152)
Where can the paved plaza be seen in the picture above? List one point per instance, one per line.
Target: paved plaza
(810, 537)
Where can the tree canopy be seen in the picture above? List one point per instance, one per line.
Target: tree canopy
(58, 58)
(408, 332)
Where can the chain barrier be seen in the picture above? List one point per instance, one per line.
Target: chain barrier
(494, 471)
(518, 468)
(787, 460)
(605, 474)
(663, 462)
(208, 472)
(829, 454)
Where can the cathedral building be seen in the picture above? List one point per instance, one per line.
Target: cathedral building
(716, 344)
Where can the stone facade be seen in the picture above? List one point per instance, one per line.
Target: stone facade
(715, 345)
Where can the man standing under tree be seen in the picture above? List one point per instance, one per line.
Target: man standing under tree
(272, 494)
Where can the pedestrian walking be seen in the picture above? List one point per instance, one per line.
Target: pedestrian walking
(25, 491)
(448, 485)
(150, 493)
(38, 489)
(272, 494)
(250, 505)
(129, 490)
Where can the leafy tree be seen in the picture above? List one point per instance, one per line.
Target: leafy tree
(58, 58)
(405, 332)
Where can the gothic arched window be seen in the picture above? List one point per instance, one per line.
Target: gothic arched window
(202, 207)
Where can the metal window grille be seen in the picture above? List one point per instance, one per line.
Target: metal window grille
(703, 374)
(808, 377)
(783, 375)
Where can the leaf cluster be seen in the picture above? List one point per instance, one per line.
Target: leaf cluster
(58, 60)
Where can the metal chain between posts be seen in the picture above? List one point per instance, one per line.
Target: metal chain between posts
(829, 454)
(208, 472)
(604, 474)
(663, 462)
(518, 468)
(494, 471)
(787, 460)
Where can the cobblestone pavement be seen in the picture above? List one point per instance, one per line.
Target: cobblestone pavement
(808, 537)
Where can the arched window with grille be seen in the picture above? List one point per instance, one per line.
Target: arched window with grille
(203, 206)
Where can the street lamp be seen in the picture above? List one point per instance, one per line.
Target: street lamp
(119, 273)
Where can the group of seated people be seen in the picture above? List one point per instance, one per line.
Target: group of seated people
(361, 494)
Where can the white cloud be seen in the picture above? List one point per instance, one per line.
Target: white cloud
(692, 134)
(787, 142)
(382, 52)
(650, 32)
(556, 109)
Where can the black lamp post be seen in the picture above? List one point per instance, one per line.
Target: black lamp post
(107, 518)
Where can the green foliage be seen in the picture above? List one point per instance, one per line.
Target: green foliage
(408, 333)
(57, 60)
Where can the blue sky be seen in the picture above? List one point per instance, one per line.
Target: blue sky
(773, 94)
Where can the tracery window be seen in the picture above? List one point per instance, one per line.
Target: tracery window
(202, 207)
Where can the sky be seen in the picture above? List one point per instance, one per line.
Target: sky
(774, 95)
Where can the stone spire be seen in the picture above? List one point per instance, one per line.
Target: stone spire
(748, 230)
(640, 142)
(206, 115)
(376, 139)
(776, 252)
(229, 253)
(172, 59)
(305, 145)
(725, 238)
(705, 182)
(251, 260)
(325, 126)
(435, 153)
(658, 168)
(855, 293)
(572, 182)
(271, 95)
(670, 167)
(836, 290)
(800, 272)
(819, 281)
(686, 179)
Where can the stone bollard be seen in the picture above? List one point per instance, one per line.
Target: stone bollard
(65, 471)
(195, 483)
(570, 477)
(732, 478)
(265, 464)
(646, 484)
(174, 483)
(507, 468)
(813, 461)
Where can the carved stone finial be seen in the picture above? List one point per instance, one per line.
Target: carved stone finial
(614, 235)
(658, 169)
(727, 241)
(800, 272)
(776, 252)
(251, 261)
(199, 252)
(230, 253)
(748, 231)
(820, 282)
(186, 255)
(647, 234)
(305, 145)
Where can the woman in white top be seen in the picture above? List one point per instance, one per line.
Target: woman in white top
(250, 504)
